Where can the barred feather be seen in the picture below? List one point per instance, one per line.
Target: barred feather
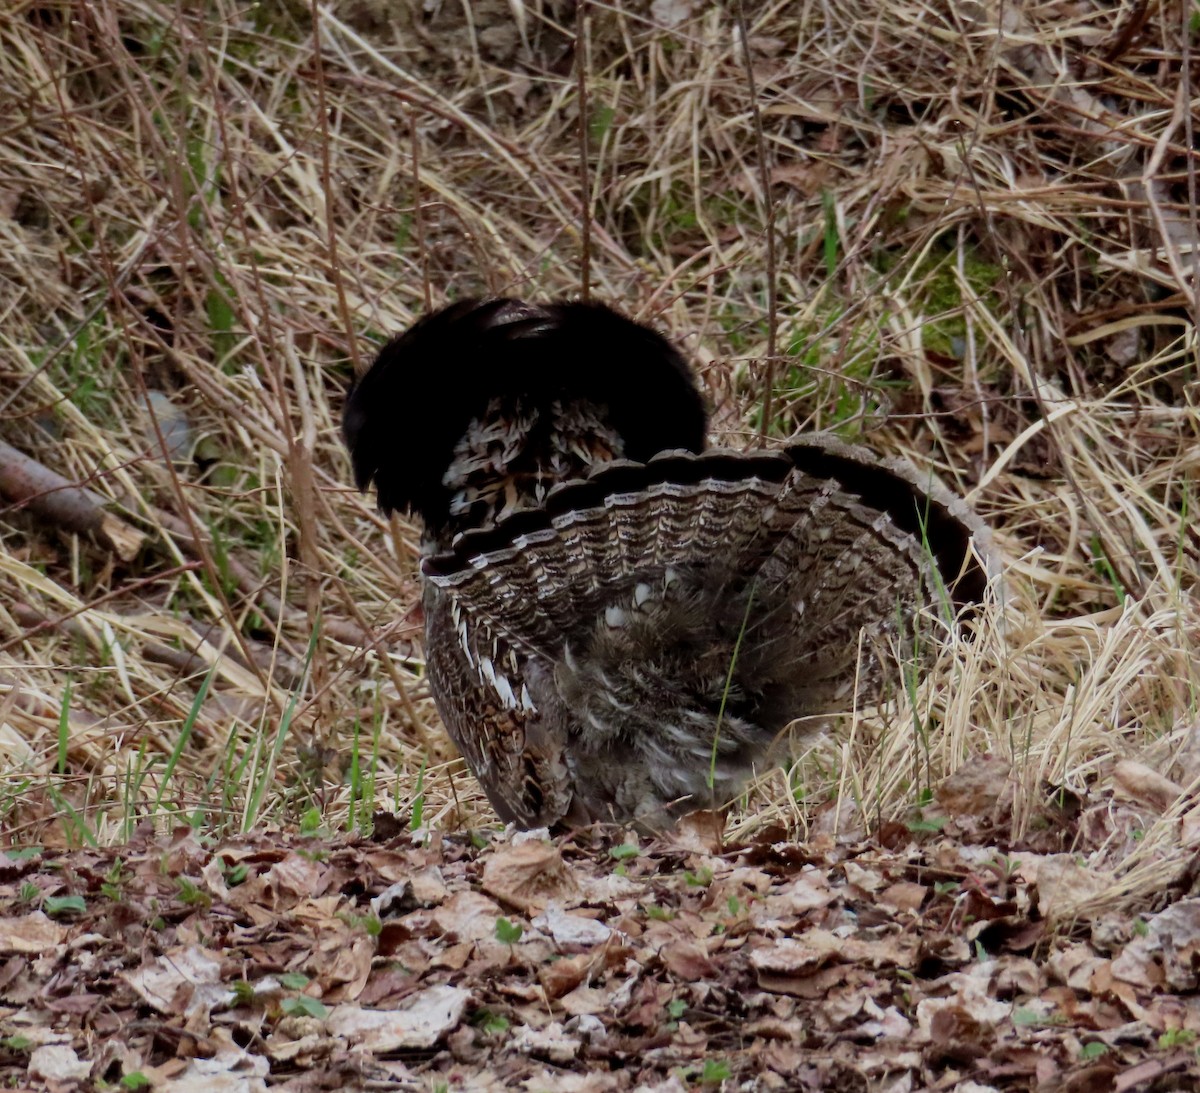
(616, 628)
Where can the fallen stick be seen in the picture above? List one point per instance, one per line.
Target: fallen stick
(51, 497)
(26, 483)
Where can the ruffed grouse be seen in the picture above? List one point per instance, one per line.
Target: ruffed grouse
(618, 624)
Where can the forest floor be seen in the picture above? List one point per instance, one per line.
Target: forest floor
(239, 852)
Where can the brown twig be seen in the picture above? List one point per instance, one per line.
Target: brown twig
(585, 192)
(419, 209)
(760, 144)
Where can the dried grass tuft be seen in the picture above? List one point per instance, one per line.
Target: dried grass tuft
(984, 221)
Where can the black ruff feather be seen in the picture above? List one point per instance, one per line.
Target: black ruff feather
(403, 418)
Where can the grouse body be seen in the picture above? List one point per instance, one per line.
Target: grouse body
(619, 623)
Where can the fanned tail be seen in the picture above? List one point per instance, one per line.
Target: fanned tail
(816, 524)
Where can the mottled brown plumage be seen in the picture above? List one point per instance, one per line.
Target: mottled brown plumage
(615, 633)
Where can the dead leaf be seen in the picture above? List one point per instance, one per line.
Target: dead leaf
(58, 1063)
(903, 896)
(1145, 786)
(688, 960)
(1063, 884)
(468, 916)
(960, 1024)
(867, 881)
(182, 979)
(418, 1022)
(583, 1001)
(454, 957)
(230, 1070)
(1168, 953)
(808, 178)
(569, 931)
(551, 1042)
(565, 975)
(1074, 965)
(670, 13)
(343, 962)
(700, 831)
(780, 964)
(1139, 1077)
(975, 788)
(31, 933)
(528, 875)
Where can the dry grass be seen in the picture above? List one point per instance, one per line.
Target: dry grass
(985, 224)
